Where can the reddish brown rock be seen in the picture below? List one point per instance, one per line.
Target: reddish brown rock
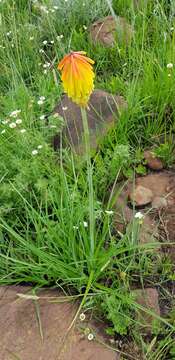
(109, 30)
(103, 111)
(159, 223)
(153, 162)
(159, 202)
(148, 299)
(141, 196)
(21, 335)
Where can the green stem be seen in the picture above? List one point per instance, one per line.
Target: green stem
(90, 180)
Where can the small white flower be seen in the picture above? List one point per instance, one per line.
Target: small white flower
(34, 152)
(31, 38)
(5, 122)
(42, 117)
(172, 28)
(85, 224)
(44, 42)
(52, 41)
(44, 9)
(15, 113)
(46, 65)
(75, 227)
(64, 108)
(169, 75)
(109, 212)
(90, 337)
(23, 131)
(40, 147)
(84, 27)
(12, 125)
(82, 316)
(41, 51)
(41, 100)
(8, 33)
(169, 66)
(139, 215)
(3, 131)
(19, 121)
(59, 37)
(12, 45)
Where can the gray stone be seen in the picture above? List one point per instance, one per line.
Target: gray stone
(108, 30)
(103, 111)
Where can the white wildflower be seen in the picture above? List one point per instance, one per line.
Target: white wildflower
(139, 215)
(15, 113)
(85, 224)
(19, 121)
(52, 41)
(3, 131)
(82, 317)
(41, 100)
(90, 337)
(31, 38)
(12, 125)
(44, 42)
(46, 65)
(75, 227)
(169, 66)
(40, 147)
(41, 51)
(23, 131)
(64, 108)
(5, 122)
(42, 117)
(8, 33)
(59, 37)
(109, 212)
(84, 27)
(34, 152)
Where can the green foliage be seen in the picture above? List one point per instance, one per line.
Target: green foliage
(44, 196)
(118, 311)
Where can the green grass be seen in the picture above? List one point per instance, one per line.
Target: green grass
(44, 197)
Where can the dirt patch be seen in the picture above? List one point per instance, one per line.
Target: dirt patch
(25, 337)
(159, 211)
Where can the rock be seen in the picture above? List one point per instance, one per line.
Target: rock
(141, 196)
(21, 336)
(159, 202)
(109, 30)
(149, 299)
(153, 162)
(102, 115)
(167, 231)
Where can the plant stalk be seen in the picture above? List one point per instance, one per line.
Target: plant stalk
(90, 180)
